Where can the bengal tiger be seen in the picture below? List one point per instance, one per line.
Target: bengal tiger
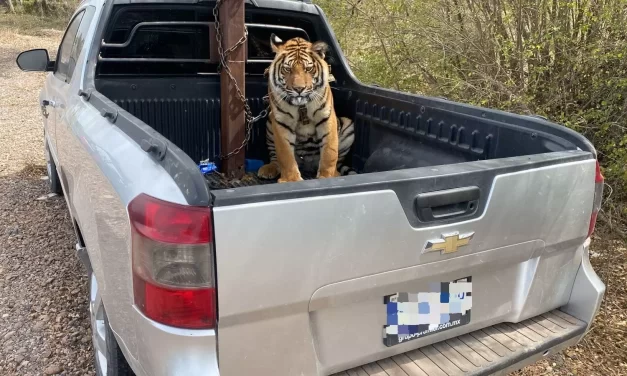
(303, 133)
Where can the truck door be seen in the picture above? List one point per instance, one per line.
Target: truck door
(65, 87)
(55, 83)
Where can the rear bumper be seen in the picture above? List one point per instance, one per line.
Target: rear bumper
(588, 290)
(496, 350)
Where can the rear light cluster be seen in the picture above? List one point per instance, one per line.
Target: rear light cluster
(173, 280)
(598, 198)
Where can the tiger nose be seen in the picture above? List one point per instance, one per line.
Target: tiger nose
(299, 89)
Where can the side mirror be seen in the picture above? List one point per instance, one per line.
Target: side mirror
(34, 61)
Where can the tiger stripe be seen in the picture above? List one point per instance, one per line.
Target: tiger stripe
(311, 148)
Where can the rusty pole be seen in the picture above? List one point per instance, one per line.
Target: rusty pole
(233, 125)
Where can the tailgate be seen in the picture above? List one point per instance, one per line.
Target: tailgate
(318, 277)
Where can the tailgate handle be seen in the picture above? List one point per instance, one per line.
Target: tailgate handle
(445, 204)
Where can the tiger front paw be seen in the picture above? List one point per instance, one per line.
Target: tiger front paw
(269, 171)
(288, 180)
(290, 177)
(328, 174)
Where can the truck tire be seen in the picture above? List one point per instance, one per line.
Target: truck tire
(54, 182)
(109, 359)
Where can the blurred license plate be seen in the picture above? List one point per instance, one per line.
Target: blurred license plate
(412, 315)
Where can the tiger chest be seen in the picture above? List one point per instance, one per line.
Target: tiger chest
(307, 148)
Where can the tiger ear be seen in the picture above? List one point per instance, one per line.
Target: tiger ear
(320, 48)
(276, 43)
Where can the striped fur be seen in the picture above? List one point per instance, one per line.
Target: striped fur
(308, 149)
(303, 131)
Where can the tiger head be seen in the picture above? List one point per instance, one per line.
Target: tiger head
(298, 74)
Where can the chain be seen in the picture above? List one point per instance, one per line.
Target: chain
(224, 54)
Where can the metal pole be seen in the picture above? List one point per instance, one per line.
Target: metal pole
(233, 125)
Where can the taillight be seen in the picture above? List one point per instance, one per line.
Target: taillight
(173, 262)
(598, 198)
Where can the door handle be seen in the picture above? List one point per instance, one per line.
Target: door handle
(48, 102)
(44, 104)
(448, 203)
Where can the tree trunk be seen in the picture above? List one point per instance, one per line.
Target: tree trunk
(10, 2)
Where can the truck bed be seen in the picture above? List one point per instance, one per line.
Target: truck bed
(179, 96)
(393, 131)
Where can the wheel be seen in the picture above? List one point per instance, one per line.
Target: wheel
(54, 183)
(109, 359)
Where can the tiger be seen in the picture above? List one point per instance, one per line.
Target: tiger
(303, 132)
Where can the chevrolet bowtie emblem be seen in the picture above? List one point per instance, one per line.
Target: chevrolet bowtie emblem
(449, 243)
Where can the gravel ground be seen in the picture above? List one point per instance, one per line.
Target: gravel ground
(44, 326)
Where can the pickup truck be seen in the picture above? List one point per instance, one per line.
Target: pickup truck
(460, 247)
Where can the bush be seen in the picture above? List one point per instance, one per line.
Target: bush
(563, 59)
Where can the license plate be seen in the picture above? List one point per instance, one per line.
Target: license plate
(412, 315)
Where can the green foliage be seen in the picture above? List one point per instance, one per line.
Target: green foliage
(563, 59)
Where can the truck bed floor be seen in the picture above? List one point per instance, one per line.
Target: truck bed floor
(482, 352)
(217, 180)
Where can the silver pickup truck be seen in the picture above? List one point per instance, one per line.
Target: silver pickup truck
(459, 248)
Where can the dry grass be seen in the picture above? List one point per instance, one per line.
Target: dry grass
(28, 24)
(601, 353)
